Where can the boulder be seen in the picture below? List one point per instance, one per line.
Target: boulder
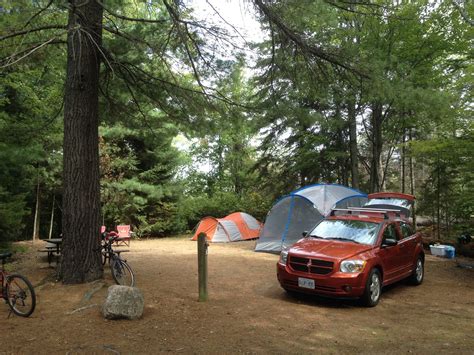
(123, 302)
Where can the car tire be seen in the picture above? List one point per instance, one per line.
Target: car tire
(373, 289)
(418, 274)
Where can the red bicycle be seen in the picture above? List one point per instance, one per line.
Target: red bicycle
(17, 291)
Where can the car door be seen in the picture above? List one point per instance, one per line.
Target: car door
(390, 255)
(407, 246)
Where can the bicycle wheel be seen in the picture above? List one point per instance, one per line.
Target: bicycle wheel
(122, 272)
(20, 295)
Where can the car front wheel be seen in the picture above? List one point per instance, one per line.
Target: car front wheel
(373, 289)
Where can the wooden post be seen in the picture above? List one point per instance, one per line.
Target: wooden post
(202, 266)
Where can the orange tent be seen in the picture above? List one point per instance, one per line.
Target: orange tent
(234, 227)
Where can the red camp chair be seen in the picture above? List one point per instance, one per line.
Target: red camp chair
(124, 235)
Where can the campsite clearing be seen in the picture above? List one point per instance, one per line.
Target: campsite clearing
(247, 310)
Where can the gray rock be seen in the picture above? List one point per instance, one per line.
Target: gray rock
(123, 302)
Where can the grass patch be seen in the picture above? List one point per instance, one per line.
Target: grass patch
(12, 247)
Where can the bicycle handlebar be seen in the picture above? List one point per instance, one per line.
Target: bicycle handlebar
(109, 236)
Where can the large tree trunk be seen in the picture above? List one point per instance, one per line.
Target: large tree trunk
(351, 116)
(81, 199)
(376, 142)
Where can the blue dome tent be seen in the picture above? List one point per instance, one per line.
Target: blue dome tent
(299, 211)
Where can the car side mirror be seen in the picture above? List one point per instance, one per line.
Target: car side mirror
(304, 234)
(389, 242)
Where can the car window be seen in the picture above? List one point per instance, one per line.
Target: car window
(390, 232)
(406, 230)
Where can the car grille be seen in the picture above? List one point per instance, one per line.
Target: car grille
(321, 267)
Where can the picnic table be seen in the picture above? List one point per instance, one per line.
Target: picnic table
(57, 241)
(53, 246)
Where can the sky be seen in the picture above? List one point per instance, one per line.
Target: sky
(232, 15)
(238, 13)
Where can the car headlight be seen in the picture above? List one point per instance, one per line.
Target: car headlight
(352, 266)
(283, 257)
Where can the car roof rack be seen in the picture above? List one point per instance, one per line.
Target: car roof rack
(387, 213)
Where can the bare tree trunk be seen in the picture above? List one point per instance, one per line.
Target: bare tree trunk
(36, 222)
(412, 178)
(81, 198)
(341, 145)
(412, 167)
(52, 220)
(402, 164)
(438, 202)
(377, 144)
(351, 115)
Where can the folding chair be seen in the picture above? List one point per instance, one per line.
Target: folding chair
(124, 235)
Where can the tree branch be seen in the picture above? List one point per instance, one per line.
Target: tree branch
(25, 53)
(126, 18)
(296, 38)
(462, 11)
(225, 21)
(175, 18)
(38, 13)
(31, 30)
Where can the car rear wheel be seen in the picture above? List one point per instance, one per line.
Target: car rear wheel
(373, 289)
(418, 273)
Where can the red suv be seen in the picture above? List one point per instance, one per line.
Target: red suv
(353, 253)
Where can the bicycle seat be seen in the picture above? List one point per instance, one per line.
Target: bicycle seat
(3, 256)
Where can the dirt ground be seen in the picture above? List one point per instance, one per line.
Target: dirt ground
(247, 311)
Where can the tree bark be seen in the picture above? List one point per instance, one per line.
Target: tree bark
(81, 196)
(412, 178)
(402, 164)
(438, 200)
(412, 167)
(52, 220)
(36, 222)
(351, 115)
(376, 142)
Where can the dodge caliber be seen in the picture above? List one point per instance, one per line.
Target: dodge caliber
(353, 255)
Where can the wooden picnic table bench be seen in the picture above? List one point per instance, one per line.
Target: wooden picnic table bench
(52, 248)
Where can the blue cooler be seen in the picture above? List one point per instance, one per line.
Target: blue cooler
(449, 252)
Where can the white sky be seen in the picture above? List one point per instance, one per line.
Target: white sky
(238, 13)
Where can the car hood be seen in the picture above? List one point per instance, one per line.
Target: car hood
(316, 248)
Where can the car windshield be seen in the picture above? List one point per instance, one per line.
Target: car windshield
(346, 230)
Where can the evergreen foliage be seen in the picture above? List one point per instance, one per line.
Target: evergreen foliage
(375, 95)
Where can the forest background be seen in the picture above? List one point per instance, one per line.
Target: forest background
(377, 96)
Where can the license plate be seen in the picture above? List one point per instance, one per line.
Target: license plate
(305, 283)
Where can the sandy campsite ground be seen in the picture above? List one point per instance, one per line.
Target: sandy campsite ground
(247, 311)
